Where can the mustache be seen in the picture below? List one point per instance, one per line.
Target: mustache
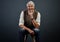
(31, 9)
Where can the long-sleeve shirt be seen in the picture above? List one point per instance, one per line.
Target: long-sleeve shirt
(21, 19)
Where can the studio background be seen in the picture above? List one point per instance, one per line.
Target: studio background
(10, 13)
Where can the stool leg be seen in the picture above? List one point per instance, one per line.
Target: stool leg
(33, 39)
(25, 38)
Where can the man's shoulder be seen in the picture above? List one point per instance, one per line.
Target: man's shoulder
(37, 11)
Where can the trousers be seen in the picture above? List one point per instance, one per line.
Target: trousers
(23, 32)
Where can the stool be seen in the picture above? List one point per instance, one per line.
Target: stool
(25, 38)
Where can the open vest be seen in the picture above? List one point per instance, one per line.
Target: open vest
(27, 21)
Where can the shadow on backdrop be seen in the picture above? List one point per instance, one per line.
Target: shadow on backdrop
(9, 18)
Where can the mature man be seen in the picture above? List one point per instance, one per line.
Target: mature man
(29, 22)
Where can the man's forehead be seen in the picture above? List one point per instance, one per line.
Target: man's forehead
(30, 3)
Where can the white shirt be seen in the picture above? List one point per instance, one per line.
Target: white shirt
(21, 19)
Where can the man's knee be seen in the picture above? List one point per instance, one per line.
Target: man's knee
(36, 30)
(21, 30)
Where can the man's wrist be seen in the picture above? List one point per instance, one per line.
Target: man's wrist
(32, 18)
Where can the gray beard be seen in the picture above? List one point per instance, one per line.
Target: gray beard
(30, 12)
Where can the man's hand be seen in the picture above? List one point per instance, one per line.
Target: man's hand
(31, 32)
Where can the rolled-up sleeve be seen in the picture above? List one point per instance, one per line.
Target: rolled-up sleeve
(21, 19)
(38, 18)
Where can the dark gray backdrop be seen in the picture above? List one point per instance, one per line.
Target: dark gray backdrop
(9, 17)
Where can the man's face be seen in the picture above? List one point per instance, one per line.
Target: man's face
(30, 7)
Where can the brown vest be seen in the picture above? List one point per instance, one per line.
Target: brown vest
(27, 20)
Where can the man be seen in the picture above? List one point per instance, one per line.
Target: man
(29, 22)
